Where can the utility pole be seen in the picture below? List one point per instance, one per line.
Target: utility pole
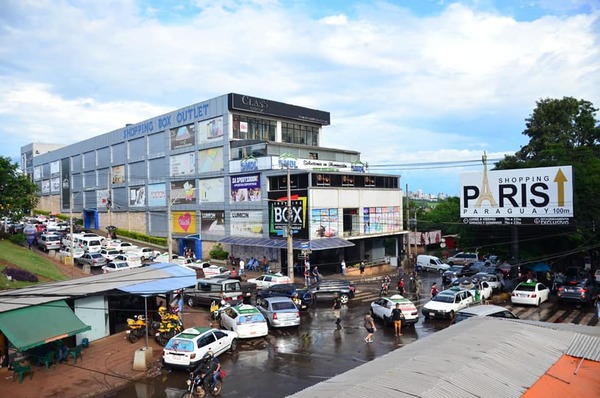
(169, 228)
(408, 258)
(290, 243)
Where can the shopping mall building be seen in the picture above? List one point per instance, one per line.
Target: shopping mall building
(219, 171)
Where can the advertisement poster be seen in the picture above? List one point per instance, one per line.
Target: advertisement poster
(246, 223)
(184, 222)
(157, 195)
(137, 196)
(210, 129)
(102, 198)
(245, 188)
(212, 190)
(66, 183)
(212, 223)
(183, 164)
(183, 192)
(46, 186)
(183, 136)
(324, 223)
(210, 160)
(55, 168)
(278, 220)
(37, 172)
(118, 174)
(381, 219)
(55, 184)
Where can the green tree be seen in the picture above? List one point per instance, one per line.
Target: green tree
(565, 132)
(18, 195)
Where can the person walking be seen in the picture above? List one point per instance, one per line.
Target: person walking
(401, 286)
(315, 273)
(397, 317)
(337, 307)
(361, 268)
(434, 289)
(418, 287)
(306, 277)
(343, 267)
(370, 327)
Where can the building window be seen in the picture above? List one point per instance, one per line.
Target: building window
(347, 181)
(249, 128)
(313, 155)
(294, 133)
(369, 181)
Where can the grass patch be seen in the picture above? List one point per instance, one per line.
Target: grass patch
(28, 260)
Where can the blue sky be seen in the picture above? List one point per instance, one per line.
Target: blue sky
(410, 84)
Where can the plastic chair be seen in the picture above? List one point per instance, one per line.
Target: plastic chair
(75, 353)
(47, 360)
(21, 370)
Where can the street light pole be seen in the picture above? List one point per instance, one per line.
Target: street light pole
(290, 243)
(169, 229)
(72, 255)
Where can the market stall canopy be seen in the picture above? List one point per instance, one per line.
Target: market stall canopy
(32, 326)
(162, 278)
(299, 244)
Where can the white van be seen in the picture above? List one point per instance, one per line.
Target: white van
(90, 244)
(431, 263)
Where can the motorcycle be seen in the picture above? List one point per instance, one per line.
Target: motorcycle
(198, 386)
(136, 327)
(169, 325)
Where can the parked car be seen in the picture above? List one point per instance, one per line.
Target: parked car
(48, 242)
(532, 293)
(578, 290)
(62, 226)
(125, 247)
(493, 280)
(457, 271)
(145, 253)
(110, 254)
(462, 258)
(114, 266)
(328, 288)
(287, 290)
(216, 289)
(279, 311)
(77, 252)
(186, 350)
(382, 309)
(447, 303)
(264, 281)
(93, 259)
(245, 320)
(132, 259)
(494, 311)
(480, 290)
(215, 270)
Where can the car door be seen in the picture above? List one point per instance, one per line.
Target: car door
(379, 308)
(544, 292)
(222, 343)
(206, 343)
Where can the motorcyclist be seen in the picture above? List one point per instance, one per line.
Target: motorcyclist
(209, 366)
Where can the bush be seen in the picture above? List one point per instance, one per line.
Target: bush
(19, 274)
(218, 253)
(17, 239)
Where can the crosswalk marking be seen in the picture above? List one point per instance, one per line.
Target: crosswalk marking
(554, 317)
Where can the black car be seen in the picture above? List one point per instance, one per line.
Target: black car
(328, 288)
(459, 271)
(287, 290)
(577, 290)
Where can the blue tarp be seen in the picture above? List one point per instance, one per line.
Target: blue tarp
(315, 244)
(163, 278)
(537, 267)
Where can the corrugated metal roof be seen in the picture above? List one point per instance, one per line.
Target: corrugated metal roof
(86, 286)
(481, 357)
(584, 346)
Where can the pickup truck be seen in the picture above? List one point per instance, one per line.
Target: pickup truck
(207, 290)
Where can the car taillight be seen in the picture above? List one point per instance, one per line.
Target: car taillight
(193, 355)
(533, 295)
(226, 298)
(274, 315)
(297, 315)
(561, 289)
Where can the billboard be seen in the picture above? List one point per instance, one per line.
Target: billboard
(246, 223)
(184, 222)
(278, 220)
(542, 196)
(183, 164)
(245, 188)
(157, 195)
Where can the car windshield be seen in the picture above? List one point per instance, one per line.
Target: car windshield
(180, 345)
(443, 298)
(283, 306)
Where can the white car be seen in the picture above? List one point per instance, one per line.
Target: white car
(147, 253)
(268, 280)
(186, 350)
(495, 281)
(382, 309)
(214, 270)
(447, 302)
(532, 293)
(132, 259)
(125, 247)
(77, 251)
(110, 254)
(114, 266)
(481, 291)
(245, 320)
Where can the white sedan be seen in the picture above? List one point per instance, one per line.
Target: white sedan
(532, 293)
(77, 251)
(266, 281)
(132, 259)
(186, 350)
(383, 307)
(114, 266)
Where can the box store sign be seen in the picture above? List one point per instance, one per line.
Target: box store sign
(539, 195)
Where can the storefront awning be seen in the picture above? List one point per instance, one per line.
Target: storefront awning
(32, 326)
(162, 278)
(299, 244)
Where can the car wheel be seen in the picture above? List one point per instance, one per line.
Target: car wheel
(344, 298)
(451, 314)
(190, 301)
(233, 346)
(539, 301)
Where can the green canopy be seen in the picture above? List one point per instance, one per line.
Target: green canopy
(32, 326)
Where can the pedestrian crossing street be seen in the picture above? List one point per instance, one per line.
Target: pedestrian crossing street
(546, 312)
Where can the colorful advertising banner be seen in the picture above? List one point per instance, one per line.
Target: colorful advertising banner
(211, 160)
(102, 198)
(118, 174)
(324, 223)
(278, 219)
(212, 190)
(137, 196)
(184, 222)
(183, 164)
(212, 223)
(381, 219)
(210, 129)
(183, 192)
(246, 223)
(245, 188)
(183, 136)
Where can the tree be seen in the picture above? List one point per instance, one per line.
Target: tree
(565, 132)
(18, 195)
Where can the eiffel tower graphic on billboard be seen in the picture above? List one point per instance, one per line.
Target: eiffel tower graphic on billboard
(486, 193)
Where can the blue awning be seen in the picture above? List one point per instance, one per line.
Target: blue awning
(162, 278)
(299, 244)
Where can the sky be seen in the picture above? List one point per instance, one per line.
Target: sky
(420, 87)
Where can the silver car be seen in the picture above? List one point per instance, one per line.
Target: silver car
(92, 259)
(279, 311)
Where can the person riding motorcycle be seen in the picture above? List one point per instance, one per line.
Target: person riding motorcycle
(209, 366)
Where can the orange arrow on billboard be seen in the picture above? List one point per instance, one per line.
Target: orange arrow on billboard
(560, 180)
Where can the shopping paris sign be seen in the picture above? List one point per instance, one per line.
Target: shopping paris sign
(534, 196)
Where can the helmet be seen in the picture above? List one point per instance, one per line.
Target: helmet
(208, 356)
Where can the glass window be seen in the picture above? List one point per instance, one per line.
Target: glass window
(249, 128)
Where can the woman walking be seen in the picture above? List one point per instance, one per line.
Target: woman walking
(370, 327)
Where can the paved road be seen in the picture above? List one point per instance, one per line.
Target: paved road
(289, 360)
